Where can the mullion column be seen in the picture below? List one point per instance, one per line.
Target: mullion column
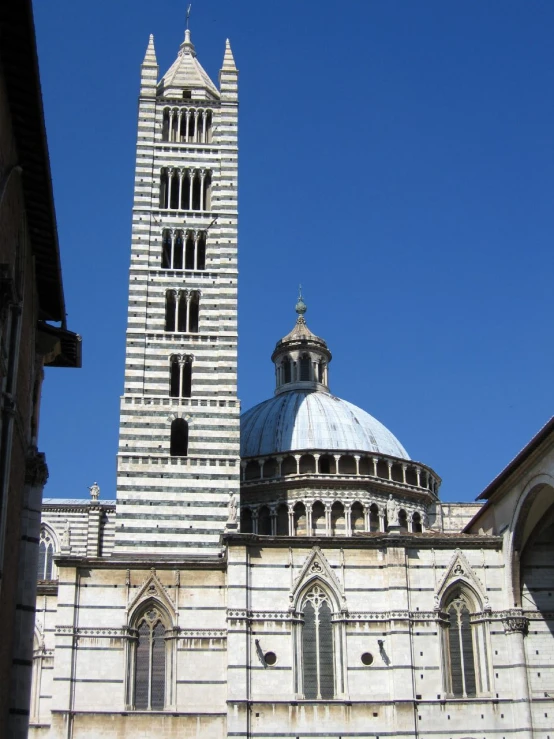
(192, 173)
(173, 233)
(169, 182)
(181, 370)
(187, 326)
(180, 203)
(177, 294)
(202, 176)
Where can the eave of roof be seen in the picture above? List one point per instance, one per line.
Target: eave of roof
(18, 56)
(526, 452)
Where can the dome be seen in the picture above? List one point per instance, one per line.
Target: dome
(303, 419)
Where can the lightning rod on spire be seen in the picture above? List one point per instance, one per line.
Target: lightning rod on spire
(188, 16)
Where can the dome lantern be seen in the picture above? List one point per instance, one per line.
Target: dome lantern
(301, 358)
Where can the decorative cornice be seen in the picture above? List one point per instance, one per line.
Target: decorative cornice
(203, 633)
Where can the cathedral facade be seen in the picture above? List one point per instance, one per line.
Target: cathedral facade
(290, 572)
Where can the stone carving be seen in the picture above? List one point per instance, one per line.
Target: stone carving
(232, 509)
(66, 537)
(514, 621)
(316, 567)
(392, 511)
(94, 491)
(36, 469)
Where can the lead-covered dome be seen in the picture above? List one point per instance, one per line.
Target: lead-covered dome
(308, 419)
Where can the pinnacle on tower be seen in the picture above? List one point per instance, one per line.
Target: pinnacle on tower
(149, 71)
(228, 59)
(150, 56)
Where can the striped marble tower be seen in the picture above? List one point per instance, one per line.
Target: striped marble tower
(178, 459)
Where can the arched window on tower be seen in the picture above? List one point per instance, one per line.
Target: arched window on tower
(170, 311)
(187, 378)
(201, 251)
(175, 377)
(166, 250)
(194, 308)
(189, 251)
(305, 368)
(182, 315)
(150, 657)
(196, 190)
(178, 251)
(45, 555)
(318, 675)
(179, 438)
(165, 125)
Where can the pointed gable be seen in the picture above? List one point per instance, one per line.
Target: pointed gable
(187, 74)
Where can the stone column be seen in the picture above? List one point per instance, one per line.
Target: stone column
(367, 524)
(515, 628)
(171, 114)
(291, 521)
(273, 519)
(309, 529)
(328, 519)
(357, 458)
(374, 460)
(348, 519)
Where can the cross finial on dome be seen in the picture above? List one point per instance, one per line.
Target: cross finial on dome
(301, 306)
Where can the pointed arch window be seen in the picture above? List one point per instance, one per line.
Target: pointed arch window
(45, 555)
(150, 652)
(318, 673)
(464, 646)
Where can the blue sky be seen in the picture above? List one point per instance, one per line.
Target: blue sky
(396, 158)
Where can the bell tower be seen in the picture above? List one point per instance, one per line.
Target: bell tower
(178, 457)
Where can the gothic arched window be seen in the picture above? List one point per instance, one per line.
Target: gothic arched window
(45, 555)
(318, 673)
(179, 438)
(464, 643)
(150, 660)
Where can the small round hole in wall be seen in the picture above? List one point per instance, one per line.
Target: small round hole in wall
(270, 658)
(367, 659)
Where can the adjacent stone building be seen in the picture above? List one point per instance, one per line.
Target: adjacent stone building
(31, 302)
(308, 584)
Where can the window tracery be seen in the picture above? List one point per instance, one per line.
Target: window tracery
(465, 646)
(45, 555)
(318, 674)
(150, 657)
